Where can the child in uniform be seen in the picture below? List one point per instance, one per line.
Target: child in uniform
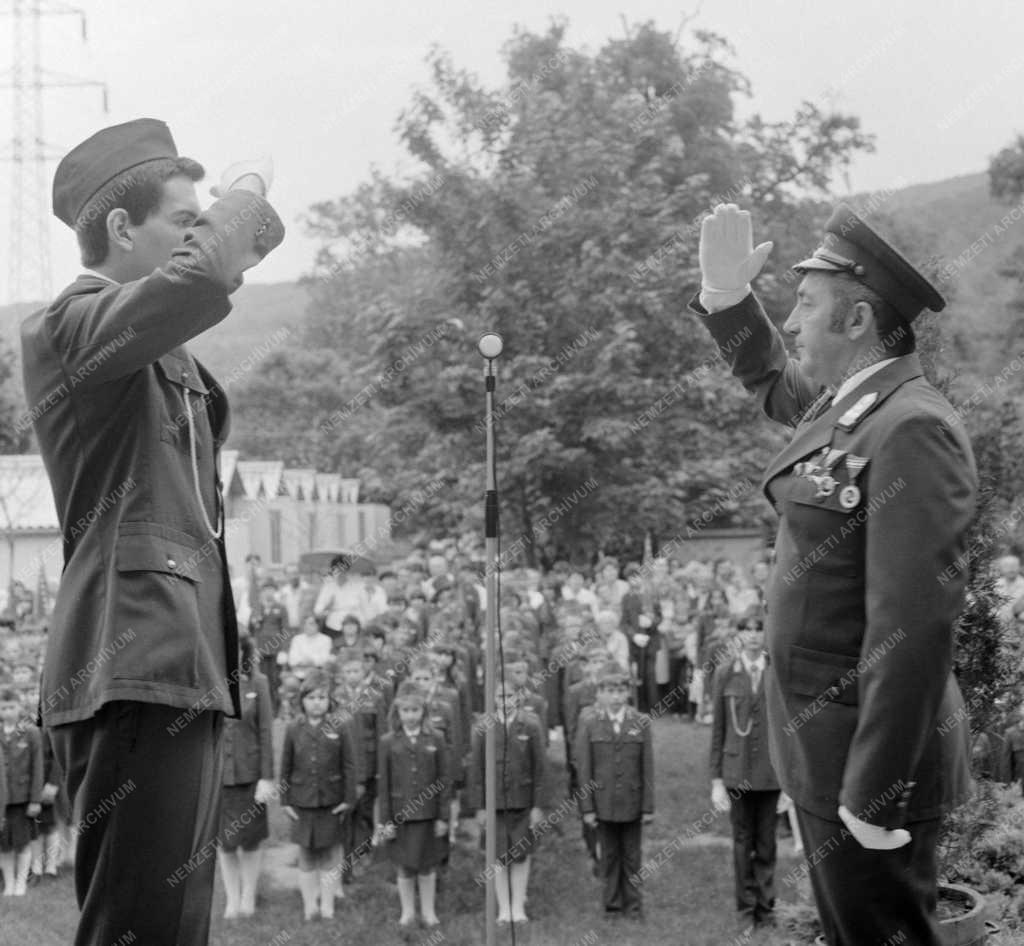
(248, 784)
(320, 775)
(414, 783)
(613, 749)
(22, 747)
(362, 697)
(520, 759)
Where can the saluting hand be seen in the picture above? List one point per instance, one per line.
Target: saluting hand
(254, 175)
(872, 836)
(728, 260)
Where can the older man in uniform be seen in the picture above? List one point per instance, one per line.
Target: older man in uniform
(875, 494)
(142, 662)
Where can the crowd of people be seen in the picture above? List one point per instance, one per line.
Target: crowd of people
(355, 662)
(376, 676)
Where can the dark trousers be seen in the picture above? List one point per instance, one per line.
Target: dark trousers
(146, 803)
(873, 897)
(270, 668)
(753, 851)
(619, 842)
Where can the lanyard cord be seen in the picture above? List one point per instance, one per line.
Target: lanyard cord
(735, 723)
(215, 532)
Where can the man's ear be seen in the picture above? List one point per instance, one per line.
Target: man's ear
(860, 319)
(118, 227)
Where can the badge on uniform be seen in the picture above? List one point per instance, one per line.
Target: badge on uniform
(849, 495)
(852, 417)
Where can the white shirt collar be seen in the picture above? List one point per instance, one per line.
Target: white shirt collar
(860, 377)
(92, 272)
(618, 717)
(752, 665)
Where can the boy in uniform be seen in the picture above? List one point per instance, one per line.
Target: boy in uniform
(614, 754)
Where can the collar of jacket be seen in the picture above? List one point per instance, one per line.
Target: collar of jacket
(819, 433)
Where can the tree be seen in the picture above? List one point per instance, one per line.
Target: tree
(563, 212)
(1006, 172)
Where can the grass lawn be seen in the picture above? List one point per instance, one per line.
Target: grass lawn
(688, 900)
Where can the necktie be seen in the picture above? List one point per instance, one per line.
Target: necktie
(616, 726)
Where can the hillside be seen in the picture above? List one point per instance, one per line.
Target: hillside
(261, 311)
(949, 216)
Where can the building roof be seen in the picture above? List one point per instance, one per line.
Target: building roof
(300, 483)
(328, 486)
(26, 500)
(261, 477)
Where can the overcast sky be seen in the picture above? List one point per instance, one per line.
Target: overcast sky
(318, 83)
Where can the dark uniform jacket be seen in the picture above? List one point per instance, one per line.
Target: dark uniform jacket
(1012, 756)
(22, 749)
(270, 631)
(579, 696)
(621, 767)
(413, 777)
(366, 705)
(520, 763)
(863, 597)
(318, 764)
(740, 760)
(248, 750)
(144, 611)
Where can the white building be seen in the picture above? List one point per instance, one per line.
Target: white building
(271, 510)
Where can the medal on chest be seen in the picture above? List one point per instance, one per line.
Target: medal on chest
(849, 495)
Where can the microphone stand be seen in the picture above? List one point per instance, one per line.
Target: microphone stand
(490, 346)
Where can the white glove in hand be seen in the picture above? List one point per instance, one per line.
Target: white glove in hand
(262, 167)
(720, 800)
(873, 836)
(728, 260)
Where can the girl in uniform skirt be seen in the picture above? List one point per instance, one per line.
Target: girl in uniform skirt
(248, 784)
(21, 746)
(414, 786)
(520, 760)
(319, 773)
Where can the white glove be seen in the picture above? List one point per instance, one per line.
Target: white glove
(720, 800)
(262, 167)
(641, 640)
(873, 836)
(644, 621)
(728, 260)
(266, 791)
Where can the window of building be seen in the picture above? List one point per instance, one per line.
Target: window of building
(275, 536)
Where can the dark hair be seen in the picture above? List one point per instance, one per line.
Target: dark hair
(895, 334)
(139, 191)
(341, 563)
(248, 658)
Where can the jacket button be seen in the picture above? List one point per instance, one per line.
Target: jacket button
(171, 563)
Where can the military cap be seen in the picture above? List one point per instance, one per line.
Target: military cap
(611, 674)
(87, 168)
(851, 246)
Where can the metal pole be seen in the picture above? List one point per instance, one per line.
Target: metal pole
(490, 347)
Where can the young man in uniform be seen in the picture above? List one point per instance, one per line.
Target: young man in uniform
(742, 779)
(875, 494)
(142, 662)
